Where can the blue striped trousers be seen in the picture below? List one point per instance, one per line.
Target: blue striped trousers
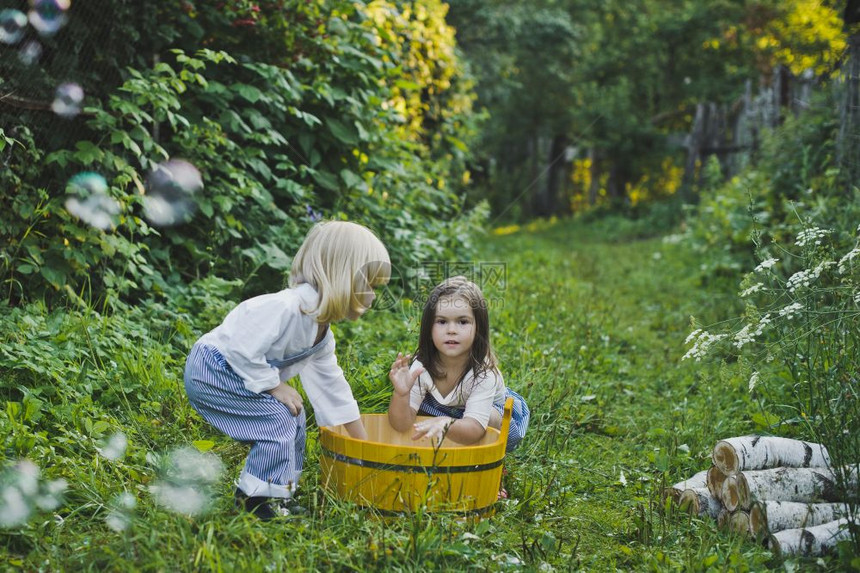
(519, 416)
(277, 438)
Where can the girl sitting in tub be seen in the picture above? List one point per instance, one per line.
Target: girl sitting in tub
(454, 376)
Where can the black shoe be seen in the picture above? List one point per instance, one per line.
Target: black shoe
(266, 508)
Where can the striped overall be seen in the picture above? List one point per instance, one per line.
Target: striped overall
(277, 438)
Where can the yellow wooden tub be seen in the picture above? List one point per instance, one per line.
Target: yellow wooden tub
(394, 473)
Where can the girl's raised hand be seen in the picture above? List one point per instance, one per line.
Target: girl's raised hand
(400, 377)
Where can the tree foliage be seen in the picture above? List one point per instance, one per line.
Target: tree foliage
(618, 83)
(290, 110)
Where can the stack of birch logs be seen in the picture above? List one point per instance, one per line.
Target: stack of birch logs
(778, 490)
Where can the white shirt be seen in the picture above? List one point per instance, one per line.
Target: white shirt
(477, 396)
(273, 326)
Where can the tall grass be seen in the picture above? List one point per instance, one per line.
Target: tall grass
(589, 326)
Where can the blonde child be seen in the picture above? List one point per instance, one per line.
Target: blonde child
(236, 375)
(454, 375)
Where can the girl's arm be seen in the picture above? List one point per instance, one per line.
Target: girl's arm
(400, 413)
(356, 429)
(463, 431)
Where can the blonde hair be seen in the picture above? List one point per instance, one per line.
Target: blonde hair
(341, 260)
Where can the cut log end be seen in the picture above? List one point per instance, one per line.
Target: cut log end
(715, 479)
(733, 493)
(725, 457)
(758, 521)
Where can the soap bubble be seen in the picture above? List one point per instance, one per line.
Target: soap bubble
(30, 53)
(22, 491)
(48, 16)
(186, 480)
(88, 200)
(114, 447)
(13, 23)
(67, 100)
(121, 512)
(170, 190)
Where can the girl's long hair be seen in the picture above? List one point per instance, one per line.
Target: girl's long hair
(341, 260)
(482, 359)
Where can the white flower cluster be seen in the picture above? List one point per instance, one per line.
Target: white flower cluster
(764, 265)
(750, 332)
(702, 342)
(811, 236)
(791, 310)
(845, 261)
(752, 290)
(803, 279)
(753, 381)
(857, 298)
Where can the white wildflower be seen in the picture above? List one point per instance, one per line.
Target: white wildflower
(752, 290)
(845, 261)
(791, 310)
(753, 381)
(800, 279)
(744, 336)
(693, 335)
(811, 236)
(857, 297)
(764, 265)
(703, 342)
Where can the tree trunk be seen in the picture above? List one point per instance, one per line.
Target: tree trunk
(772, 516)
(809, 542)
(699, 502)
(694, 152)
(809, 485)
(847, 150)
(715, 482)
(696, 481)
(594, 172)
(763, 452)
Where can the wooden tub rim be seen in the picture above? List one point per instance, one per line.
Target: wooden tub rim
(500, 443)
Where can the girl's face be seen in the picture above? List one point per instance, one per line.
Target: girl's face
(453, 327)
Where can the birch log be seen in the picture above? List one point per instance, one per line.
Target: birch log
(781, 484)
(734, 521)
(809, 542)
(763, 452)
(699, 502)
(772, 516)
(715, 481)
(694, 482)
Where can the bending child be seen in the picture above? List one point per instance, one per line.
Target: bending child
(454, 375)
(236, 375)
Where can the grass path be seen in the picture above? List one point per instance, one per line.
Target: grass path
(593, 325)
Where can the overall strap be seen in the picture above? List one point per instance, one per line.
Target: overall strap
(299, 356)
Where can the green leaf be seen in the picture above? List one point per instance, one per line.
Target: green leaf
(250, 93)
(87, 152)
(326, 180)
(351, 179)
(203, 446)
(345, 133)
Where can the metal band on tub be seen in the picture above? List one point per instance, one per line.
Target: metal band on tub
(411, 469)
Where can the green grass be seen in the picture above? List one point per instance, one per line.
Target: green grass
(589, 326)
